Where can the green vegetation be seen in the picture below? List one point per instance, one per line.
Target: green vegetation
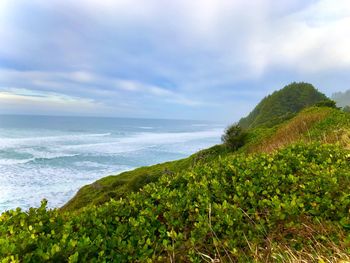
(269, 193)
(117, 186)
(240, 208)
(315, 124)
(282, 105)
(327, 103)
(322, 124)
(234, 137)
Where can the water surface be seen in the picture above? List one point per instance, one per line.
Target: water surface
(52, 157)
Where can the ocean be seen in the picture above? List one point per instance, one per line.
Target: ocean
(52, 157)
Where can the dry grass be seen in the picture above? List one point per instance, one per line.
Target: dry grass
(340, 136)
(315, 252)
(318, 245)
(295, 130)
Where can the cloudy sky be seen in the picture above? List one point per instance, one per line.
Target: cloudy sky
(198, 59)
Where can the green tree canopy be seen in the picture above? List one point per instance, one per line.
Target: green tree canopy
(282, 105)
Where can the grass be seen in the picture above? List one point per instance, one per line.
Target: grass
(294, 130)
(322, 124)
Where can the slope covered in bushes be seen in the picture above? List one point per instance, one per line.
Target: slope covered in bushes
(117, 186)
(294, 202)
(323, 124)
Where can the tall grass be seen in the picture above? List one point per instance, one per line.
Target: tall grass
(295, 130)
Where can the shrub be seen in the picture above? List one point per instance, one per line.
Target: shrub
(327, 103)
(234, 137)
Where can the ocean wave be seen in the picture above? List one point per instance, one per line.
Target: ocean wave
(15, 161)
(38, 157)
(39, 141)
(171, 137)
(46, 154)
(141, 141)
(52, 158)
(49, 163)
(200, 125)
(44, 151)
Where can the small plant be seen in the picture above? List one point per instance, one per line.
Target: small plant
(234, 137)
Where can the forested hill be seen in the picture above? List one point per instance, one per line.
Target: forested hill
(282, 105)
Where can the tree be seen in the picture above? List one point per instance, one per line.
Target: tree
(234, 137)
(327, 103)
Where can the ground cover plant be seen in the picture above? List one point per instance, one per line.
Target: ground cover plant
(240, 209)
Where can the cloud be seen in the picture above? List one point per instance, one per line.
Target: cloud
(152, 90)
(91, 86)
(43, 102)
(314, 39)
(179, 58)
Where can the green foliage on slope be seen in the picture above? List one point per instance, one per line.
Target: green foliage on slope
(117, 186)
(240, 208)
(282, 105)
(323, 124)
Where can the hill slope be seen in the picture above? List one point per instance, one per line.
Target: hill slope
(314, 124)
(117, 186)
(290, 204)
(282, 105)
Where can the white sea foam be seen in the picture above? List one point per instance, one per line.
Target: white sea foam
(140, 141)
(44, 154)
(40, 141)
(14, 161)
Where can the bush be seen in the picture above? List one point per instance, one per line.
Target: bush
(234, 137)
(327, 103)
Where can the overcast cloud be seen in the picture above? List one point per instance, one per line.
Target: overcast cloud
(200, 59)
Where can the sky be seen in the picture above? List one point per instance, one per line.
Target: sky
(177, 59)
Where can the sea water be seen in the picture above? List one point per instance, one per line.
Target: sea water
(52, 157)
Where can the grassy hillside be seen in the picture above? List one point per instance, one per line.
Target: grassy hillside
(282, 105)
(284, 196)
(117, 186)
(313, 124)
